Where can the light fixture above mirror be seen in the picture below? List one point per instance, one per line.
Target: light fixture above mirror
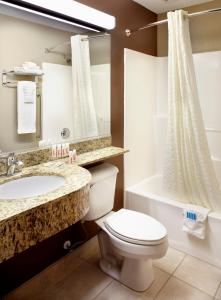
(66, 11)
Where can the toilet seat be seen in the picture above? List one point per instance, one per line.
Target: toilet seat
(136, 228)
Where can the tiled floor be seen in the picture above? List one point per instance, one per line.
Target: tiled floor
(77, 277)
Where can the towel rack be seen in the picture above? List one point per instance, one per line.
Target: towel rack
(13, 84)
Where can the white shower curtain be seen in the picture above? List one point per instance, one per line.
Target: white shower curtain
(189, 175)
(84, 114)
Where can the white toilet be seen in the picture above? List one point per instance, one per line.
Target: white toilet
(129, 240)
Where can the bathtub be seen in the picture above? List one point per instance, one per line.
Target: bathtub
(146, 197)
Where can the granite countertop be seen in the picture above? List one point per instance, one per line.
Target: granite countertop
(75, 178)
(99, 155)
(28, 221)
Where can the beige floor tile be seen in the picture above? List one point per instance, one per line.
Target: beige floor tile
(77, 277)
(47, 279)
(218, 293)
(199, 274)
(178, 290)
(84, 283)
(89, 251)
(170, 261)
(70, 278)
(116, 291)
(161, 278)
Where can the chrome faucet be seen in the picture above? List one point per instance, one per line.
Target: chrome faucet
(11, 163)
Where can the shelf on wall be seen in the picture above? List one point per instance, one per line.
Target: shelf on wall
(7, 83)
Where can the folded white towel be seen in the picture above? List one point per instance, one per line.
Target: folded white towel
(30, 64)
(194, 221)
(25, 70)
(28, 68)
(26, 107)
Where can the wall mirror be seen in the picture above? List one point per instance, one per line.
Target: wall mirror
(69, 76)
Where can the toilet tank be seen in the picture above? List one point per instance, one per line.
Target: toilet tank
(103, 184)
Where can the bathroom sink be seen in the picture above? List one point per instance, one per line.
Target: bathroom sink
(30, 186)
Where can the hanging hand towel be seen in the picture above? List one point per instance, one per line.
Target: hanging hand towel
(26, 107)
(195, 218)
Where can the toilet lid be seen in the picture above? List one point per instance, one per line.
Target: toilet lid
(135, 227)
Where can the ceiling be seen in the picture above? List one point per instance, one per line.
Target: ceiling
(160, 6)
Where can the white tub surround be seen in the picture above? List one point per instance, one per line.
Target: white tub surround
(146, 135)
(139, 108)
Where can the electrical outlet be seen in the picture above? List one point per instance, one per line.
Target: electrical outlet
(67, 245)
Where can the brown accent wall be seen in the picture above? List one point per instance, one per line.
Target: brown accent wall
(128, 15)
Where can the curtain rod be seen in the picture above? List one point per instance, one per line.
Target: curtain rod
(129, 32)
(50, 50)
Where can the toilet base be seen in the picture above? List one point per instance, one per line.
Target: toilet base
(135, 274)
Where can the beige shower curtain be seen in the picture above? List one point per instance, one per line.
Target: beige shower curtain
(189, 175)
(84, 114)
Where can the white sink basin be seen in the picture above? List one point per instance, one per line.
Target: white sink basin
(30, 186)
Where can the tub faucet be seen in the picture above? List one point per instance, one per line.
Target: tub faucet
(11, 163)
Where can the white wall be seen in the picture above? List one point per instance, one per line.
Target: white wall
(57, 104)
(139, 109)
(100, 77)
(145, 113)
